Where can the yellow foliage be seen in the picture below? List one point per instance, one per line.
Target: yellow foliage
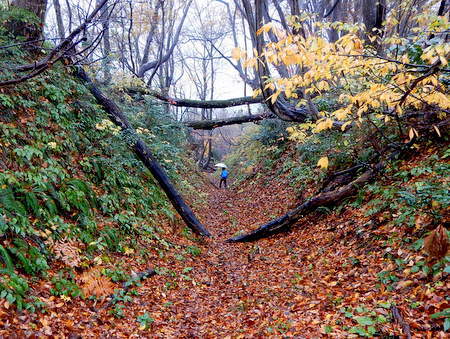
(323, 124)
(256, 92)
(265, 28)
(369, 85)
(323, 163)
(274, 96)
(237, 54)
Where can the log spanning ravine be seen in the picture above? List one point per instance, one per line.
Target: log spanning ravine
(284, 222)
(277, 225)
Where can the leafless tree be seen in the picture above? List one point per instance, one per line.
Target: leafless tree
(64, 49)
(59, 18)
(105, 16)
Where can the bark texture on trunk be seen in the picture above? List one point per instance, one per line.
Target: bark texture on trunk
(373, 13)
(211, 124)
(284, 222)
(207, 104)
(59, 19)
(145, 155)
(106, 62)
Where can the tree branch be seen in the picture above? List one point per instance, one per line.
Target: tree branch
(153, 64)
(331, 9)
(211, 124)
(144, 154)
(433, 70)
(195, 103)
(56, 54)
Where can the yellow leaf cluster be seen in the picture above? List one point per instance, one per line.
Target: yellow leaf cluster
(265, 28)
(323, 124)
(296, 134)
(323, 163)
(373, 86)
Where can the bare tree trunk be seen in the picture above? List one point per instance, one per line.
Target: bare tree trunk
(164, 58)
(59, 19)
(333, 34)
(145, 155)
(106, 63)
(31, 32)
(69, 14)
(373, 13)
(151, 33)
(441, 12)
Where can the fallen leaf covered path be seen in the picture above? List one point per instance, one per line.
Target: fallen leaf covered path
(293, 284)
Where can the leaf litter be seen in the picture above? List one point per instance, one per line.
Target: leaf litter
(320, 280)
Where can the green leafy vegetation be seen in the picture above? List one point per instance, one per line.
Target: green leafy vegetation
(67, 175)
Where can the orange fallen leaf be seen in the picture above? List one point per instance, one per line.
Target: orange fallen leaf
(436, 244)
(404, 284)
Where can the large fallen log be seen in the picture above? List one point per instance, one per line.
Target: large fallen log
(284, 222)
(282, 109)
(144, 154)
(208, 104)
(211, 124)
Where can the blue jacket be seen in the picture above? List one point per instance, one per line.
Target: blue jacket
(224, 174)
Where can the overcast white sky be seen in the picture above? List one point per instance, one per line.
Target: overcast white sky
(228, 83)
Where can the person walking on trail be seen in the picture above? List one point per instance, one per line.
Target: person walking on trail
(223, 177)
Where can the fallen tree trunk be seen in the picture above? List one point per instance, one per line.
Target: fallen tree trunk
(208, 104)
(144, 154)
(284, 222)
(281, 109)
(55, 54)
(211, 124)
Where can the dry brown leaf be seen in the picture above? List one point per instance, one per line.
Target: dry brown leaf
(94, 283)
(68, 251)
(436, 244)
(403, 284)
(423, 221)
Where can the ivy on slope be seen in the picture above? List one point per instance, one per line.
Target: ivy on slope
(66, 174)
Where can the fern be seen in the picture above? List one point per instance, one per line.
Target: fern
(112, 239)
(6, 258)
(78, 200)
(10, 204)
(59, 198)
(24, 262)
(3, 225)
(32, 203)
(84, 187)
(51, 207)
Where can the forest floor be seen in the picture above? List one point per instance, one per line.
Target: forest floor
(318, 280)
